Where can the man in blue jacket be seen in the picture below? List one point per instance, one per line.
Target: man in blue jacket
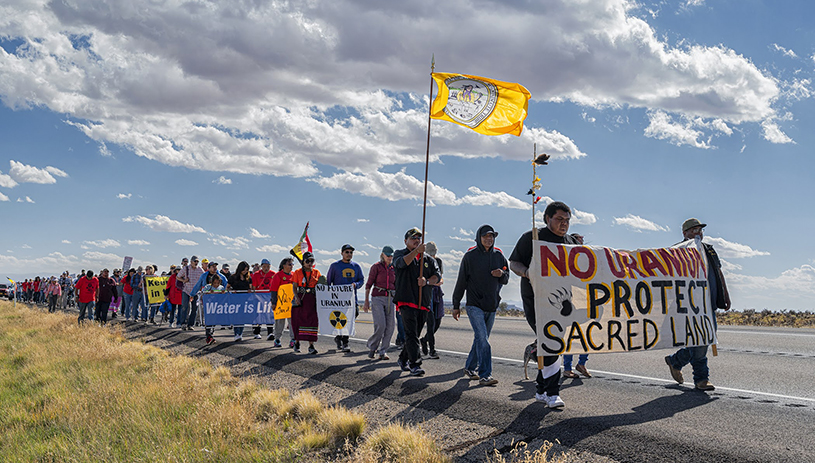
(482, 273)
(203, 280)
(346, 272)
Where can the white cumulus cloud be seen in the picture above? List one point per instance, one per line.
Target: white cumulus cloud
(639, 224)
(256, 234)
(138, 243)
(223, 180)
(3, 198)
(124, 196)
(23, 173)
(108, 243)
(184, 242)
(729, 249)
(274, 248)
(165, 224)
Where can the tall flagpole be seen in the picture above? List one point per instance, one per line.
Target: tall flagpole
(534, 193)
(426, 169)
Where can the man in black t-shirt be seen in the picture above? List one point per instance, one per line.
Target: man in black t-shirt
(556, 216)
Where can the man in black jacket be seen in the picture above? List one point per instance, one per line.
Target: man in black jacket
(482, 272)
(414, 269)
(557, 217)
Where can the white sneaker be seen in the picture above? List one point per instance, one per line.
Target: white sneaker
(270, 337)
(257, 336)
(238, 338)
(172, 325)
(552, 402)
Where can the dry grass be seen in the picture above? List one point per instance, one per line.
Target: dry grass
(396, 443)
(521, 453)
(82, 394)
(750, 317)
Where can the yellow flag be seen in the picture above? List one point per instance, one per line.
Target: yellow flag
(488, 106)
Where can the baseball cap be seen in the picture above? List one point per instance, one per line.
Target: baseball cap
(346, 247)
(194, 259)
(225, 266)
(413, 232)
(387, 250)
(487, 229)
(211, 264)
(265, 261)
(307, 255)
(692, 222)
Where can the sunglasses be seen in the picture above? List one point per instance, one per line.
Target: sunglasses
(309, 261)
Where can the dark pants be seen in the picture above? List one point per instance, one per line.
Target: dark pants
(256, 329)
(83, 308)
(433, 324)
(52, 302)
(414, 320)
(551, 384)
(101, 313)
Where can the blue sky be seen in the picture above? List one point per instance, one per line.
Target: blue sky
(128, 130)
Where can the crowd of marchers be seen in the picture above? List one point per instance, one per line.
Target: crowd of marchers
(402, 292)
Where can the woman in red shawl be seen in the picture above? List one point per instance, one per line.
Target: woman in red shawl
(304, 306)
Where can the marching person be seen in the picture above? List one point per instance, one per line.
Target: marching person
(86, 294)
(304, 319)
(262, 282)
(414, 269)
(436, 307)
(556, 216)
(382, 279)
(697, 356)
(207, 278)
(105, 294)
(52, 292)
(172, 293)
(240, 281)
(189, 275)
(136, 281)
(482, 273)
(345, 272)
(281, 278)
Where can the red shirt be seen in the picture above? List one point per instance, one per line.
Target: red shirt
(263, 282)
(174, 292)
(87, 289)
(280, 279)
(127, 288)
(36, 285)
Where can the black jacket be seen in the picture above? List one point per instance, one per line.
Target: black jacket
(407, 276)
(483, 289)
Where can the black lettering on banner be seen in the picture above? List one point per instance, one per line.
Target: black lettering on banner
(679, 297)
(643, 292)
(614, 328)
(691, 286)
(708, 328)
(631, 335)
(622, 293)
(663, 285)
(703, 284)
(589, 337)
(594, 300)
(689, 332)
(548, 334)
(673, 333)
(699, 331)
(335, 295)
(579, 335)
(645, 324)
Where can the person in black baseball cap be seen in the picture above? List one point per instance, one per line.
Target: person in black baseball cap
(344, 272)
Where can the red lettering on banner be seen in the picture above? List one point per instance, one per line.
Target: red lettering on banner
(558, 263)
(650, 261)
(591, 268)
(631, 265)
(617, 273)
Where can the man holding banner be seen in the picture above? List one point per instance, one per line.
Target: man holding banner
(556, 216)
(692, 229)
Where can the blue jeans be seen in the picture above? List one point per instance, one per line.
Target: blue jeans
(127, 301)
(153, 308)
(85, 306)
(567, 361)
(183, 310)
(480, 358)
(136, 302)
(697, 357)
(400, 329)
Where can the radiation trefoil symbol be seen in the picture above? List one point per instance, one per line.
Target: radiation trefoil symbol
(338, 319)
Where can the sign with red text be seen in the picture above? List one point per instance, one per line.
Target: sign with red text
(592, 299)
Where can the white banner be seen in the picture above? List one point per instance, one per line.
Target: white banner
(126, 263)
(336, 309)
(592, 300)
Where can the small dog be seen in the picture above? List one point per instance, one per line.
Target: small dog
(530, 353)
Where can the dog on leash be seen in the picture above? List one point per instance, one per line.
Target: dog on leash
(530, 353)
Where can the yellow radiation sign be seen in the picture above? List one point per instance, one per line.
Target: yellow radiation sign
(338, 319)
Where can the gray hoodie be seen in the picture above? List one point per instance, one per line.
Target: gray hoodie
(483, 289)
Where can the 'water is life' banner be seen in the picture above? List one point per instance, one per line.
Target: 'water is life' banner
(336, 309)
(592, 299)
(155, 289)
(237, 308)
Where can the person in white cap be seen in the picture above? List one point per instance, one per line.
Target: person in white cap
(697, 356)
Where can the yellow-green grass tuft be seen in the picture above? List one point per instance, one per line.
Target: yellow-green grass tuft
(397, 443)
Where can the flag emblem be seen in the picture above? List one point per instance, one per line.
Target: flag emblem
(470, 101)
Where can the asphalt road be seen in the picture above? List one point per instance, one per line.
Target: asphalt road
(763, 409)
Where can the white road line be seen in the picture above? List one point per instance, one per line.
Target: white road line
(648, 378)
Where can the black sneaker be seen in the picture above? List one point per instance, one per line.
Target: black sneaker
(403, 365)
(424, 346)
(433, 354)
(312, 350)
(338, 341)
(210, 340)
(345, 348)
(371, 354)
(416, 371)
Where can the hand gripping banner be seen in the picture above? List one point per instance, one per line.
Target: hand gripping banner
(592, 299)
